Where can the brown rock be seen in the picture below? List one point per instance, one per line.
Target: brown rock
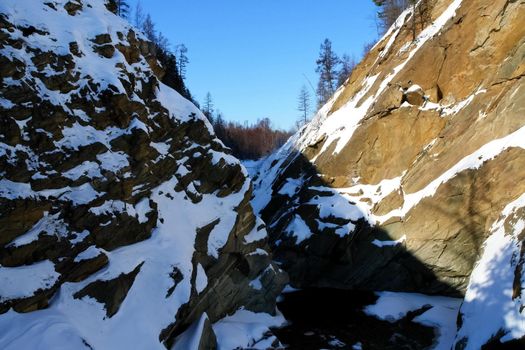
(111, 293)
(415, 96)
(73, 6)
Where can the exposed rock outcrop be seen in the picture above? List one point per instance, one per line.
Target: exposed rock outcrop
(119, 209)
(397, 181)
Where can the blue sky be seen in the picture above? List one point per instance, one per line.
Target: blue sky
(252, 55)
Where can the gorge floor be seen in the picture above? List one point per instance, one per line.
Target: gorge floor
(323, 318)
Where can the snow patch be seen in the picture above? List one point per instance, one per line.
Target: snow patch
(24, 281)
(442, 315)
(246, 329)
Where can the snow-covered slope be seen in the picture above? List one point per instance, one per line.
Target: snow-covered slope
(122, 219)
(396, 182)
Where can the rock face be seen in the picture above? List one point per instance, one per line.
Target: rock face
(122, 218)
(397, 181)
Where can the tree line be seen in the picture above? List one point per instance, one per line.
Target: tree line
(251, 141)
(246, 141)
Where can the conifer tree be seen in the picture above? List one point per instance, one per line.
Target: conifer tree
(207, 107)
(347, 66)
(327, 69)
(148, 27)
(122, 8)
(182, 59)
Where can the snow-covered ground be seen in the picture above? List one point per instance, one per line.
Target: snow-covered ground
(494, 302)
(74, 322)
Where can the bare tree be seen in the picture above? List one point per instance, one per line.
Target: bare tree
(303, 106)
(138, 18)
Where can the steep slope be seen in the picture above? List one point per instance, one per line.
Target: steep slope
(123, 220)
(398, 180)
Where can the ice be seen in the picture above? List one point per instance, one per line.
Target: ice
(245, 329)
(392, 306)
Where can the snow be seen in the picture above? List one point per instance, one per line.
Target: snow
(489, 306)
(88, 254)
(335, 205)
(341, 124)
(256, 284)
(88, 169)
(24, 281)
(414, 88)
(30, 331)
(190, 339)
(161, 147)
(113, 161)
(171, 244)
(256, 234)
(79, 237)
(393, 32)
(83, 194)
(145, 311)
(472, 161)
(137, 211)
(382, 244)
(252, 166)
(392, 306)
(48, 224)
(259, 251)
(245, 329)
(298, 228)
(290, 187)
(142, 208)
(454, 109)
(337, 127)
(357, 346)
(201, 282)
(179, 107)
(357, 201)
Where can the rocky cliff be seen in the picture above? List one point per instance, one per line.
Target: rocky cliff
(411, 175)
(123, 220)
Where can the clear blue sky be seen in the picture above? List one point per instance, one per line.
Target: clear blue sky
(251, 55)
